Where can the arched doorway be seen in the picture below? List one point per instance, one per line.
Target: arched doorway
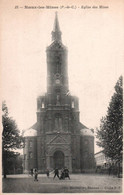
(58, 159)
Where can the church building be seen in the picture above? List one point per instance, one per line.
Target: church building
(58, 139)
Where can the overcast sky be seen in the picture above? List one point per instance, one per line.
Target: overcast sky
(94, 38)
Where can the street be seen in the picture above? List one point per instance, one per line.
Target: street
(79, 183)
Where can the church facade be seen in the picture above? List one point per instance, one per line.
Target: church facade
(58, 139)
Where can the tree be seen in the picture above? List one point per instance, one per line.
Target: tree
(15, 164)
(11, 139)
(110, 133)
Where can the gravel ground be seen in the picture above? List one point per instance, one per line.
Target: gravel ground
(79, 183)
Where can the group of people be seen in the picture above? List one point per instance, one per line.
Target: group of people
(64, 173)
(34, 172)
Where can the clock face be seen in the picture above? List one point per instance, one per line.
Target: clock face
(57, 81)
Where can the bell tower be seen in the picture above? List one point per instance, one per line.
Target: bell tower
(57, 73)
(57, 109)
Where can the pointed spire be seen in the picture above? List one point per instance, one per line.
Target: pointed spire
(56, 33)
(56, 23)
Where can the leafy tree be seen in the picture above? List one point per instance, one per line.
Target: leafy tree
(15, 164)
(110, 133)
(11, 139)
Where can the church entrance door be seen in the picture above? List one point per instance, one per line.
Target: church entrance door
(58, 159)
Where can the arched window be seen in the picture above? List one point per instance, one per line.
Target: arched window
(58, 122)
(30, 155)
(58, 62)
(58, 68)
(42, 104)
(58, 97)
(30, 143)
(66, 124)
(72, 104)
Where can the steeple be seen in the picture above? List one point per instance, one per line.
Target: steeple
(56, 33)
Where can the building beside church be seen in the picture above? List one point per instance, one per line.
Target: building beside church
(58, 139)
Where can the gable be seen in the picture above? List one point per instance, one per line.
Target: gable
(58, 139)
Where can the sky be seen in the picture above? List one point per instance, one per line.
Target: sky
(94, 38)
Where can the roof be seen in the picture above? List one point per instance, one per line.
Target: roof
(102, 151)
(87, 132)
(57, 45)
(34, 126)
(30, 133)
(81, 126)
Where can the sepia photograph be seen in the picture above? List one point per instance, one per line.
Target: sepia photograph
(62, 96)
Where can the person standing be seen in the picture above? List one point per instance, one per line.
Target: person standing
(109, 170)
(66, 171)
(48, 173)
(56, 173)
(62, 174)
(35, 175)
(31, 172)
